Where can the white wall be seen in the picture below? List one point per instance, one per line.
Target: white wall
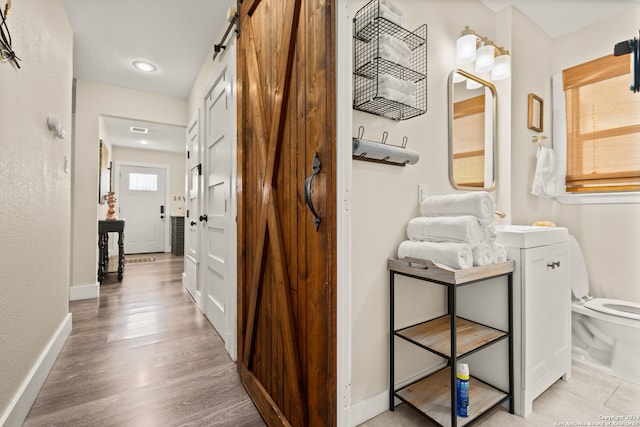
(385, 198)
(93, 100)
(34, 188)
(609, 234)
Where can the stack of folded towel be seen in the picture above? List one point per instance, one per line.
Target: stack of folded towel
(391, 12)
(455, 230)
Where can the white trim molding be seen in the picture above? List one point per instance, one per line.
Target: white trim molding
(20, 405)
(79, 292)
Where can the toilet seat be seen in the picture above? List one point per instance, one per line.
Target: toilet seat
(628, 309)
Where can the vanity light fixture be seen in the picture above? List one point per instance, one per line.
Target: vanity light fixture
(488, 56)
(144, 66)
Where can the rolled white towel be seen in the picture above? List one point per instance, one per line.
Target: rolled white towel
(489, 233)
(464, 229)
(396, 95)
(499, 252)
(396, 44)
(482, 254)
(452, 254)
(477, 203)
(404, 86)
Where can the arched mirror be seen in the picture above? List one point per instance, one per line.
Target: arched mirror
(472, 132)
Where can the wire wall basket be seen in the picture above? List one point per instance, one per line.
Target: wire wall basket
(378, 64)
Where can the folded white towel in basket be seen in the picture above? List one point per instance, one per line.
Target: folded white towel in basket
(404, 86)
(452, 254)
(391, 55)
(396, 95)
(400, 46)
(389, 14)
(464, 229)
(477, 203)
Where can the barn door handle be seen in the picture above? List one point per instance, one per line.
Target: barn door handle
(315, 167)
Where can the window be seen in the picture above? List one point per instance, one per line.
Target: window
(143, 182)
(603, 126)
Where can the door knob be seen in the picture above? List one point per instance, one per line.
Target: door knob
(193, 223)
(203, 218)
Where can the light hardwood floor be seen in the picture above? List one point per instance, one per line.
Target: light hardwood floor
(583, 400)
(143, 355)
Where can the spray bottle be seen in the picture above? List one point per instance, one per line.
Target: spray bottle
(462, 390)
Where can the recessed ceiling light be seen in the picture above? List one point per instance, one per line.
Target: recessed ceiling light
(144, 142)
(144, 66)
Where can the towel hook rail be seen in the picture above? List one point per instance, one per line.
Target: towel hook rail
(537, 139)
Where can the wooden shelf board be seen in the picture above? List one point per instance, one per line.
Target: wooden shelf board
(433, 271)
(432, 396)
(436, 335)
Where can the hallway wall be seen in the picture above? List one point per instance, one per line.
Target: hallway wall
(92, 100)
(35, 188)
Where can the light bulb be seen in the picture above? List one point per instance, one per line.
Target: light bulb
(484, 58)
(466, 49)
(502, 67)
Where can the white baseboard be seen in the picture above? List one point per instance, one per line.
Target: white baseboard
(20, 405)
(79, 292)
(370, 408)
(376, 405)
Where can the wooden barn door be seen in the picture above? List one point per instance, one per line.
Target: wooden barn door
(287, 261)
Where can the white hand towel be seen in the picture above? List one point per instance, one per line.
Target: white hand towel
(454, 255)
(396, 44)
(388, 53)
(464, 229)
(392, 6)
(482, 254)
(396, 95)
(544, 179)
(385, 12)
(388, 81)
(499, 252)
(477, 203)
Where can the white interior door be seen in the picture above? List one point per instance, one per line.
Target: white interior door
(142, 204)
(193, 207)
(216, 163)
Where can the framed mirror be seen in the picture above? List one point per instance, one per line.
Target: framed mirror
(472, 132)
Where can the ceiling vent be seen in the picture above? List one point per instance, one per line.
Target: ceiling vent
(138, 129)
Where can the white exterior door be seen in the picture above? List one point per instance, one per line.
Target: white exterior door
(219, 228)
(193, 198)
(142, 204)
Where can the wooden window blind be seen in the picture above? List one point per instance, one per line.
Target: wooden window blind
(603, 126)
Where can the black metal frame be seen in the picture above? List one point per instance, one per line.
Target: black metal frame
(217, 48)
(451, 360)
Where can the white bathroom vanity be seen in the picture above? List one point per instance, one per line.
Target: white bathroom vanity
(542, 308)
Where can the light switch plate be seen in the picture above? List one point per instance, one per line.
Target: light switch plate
(422, 193)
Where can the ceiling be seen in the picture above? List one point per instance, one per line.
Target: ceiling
(174, 35)
(177, 35)
(560, 17)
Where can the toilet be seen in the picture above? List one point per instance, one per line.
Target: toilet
(605, 332)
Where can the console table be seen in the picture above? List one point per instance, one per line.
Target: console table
(104, 228)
